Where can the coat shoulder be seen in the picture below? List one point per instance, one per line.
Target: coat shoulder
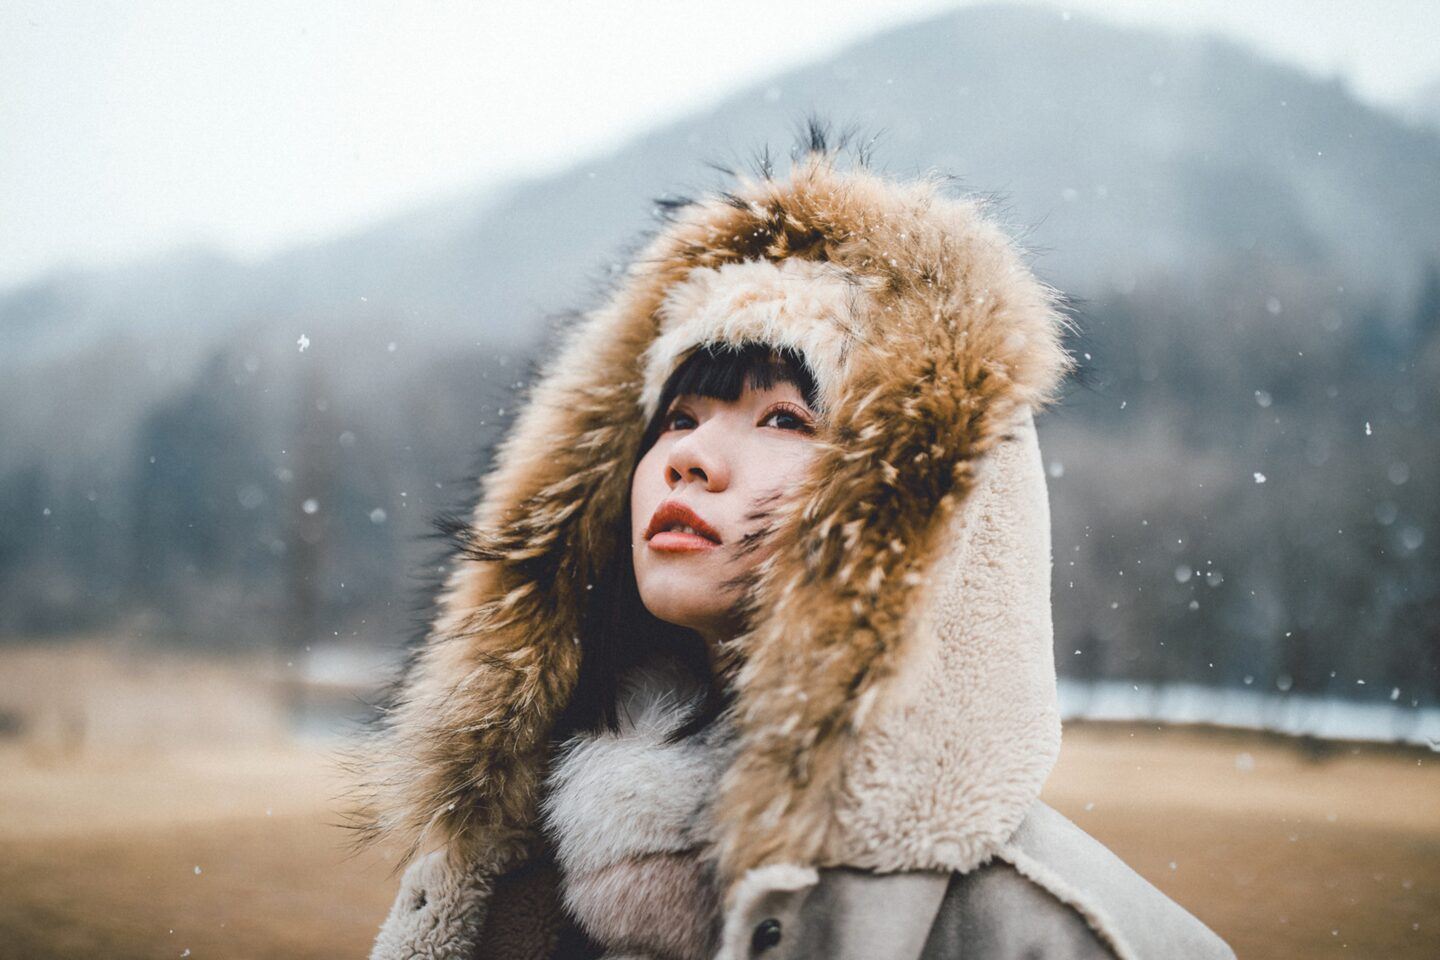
(1052, 891)
(1126, 912)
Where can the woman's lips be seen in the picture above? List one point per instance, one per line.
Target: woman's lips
(665, 532)
(673, 541)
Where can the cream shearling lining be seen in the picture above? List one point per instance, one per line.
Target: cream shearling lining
(972, 711)
(441, 910)
(814, 308)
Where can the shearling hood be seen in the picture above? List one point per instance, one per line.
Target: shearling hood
(895, 698)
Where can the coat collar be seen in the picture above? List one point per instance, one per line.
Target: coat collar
(895, 591)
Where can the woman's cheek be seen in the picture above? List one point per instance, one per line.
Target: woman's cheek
(790, 462)
(646, 492)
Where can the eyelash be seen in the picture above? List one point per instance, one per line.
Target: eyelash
(805, 425)
(788, 408)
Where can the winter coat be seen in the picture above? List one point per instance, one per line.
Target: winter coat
(895, 696)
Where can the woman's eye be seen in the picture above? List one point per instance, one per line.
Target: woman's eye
(787, 418)
(679, 420)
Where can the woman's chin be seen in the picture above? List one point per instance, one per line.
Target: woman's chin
(685, 601)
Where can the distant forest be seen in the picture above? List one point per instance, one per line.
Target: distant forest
(1243, 476)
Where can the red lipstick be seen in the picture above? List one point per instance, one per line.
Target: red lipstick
(666, 530)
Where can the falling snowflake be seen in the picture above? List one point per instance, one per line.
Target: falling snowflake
(1259, 477)
(303, 342)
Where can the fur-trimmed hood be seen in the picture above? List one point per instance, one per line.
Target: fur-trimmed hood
(895, 698)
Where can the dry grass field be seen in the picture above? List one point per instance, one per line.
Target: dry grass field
(218, 839)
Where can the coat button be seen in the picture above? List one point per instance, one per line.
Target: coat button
(767, 935)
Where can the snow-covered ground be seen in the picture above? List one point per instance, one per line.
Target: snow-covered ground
(1397, 721)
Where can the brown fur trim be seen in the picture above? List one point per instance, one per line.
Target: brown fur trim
(961, 338)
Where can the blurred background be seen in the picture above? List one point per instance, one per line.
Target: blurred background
(274, 277)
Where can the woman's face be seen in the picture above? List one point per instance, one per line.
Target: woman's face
(720, 461)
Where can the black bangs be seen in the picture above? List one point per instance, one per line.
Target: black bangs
(722, 371)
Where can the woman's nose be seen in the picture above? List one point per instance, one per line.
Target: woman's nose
(699, 456)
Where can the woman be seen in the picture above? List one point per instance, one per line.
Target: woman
(747, 647)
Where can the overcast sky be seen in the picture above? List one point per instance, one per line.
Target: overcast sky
(129, 128)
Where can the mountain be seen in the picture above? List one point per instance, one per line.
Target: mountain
(1424, 106)
(1119, 151)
